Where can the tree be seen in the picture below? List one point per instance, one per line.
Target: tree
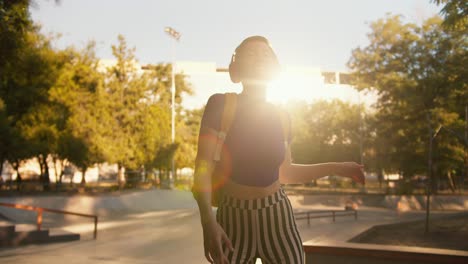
(187, 136)
(183, 148)
(57, 104)
(4, 133)
(15, 23)
(32, 119)
(78, 90)
(418, 73)
(455, 13)
(137, 105)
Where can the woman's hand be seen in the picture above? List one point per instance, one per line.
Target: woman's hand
(214, 238)
(352, 170)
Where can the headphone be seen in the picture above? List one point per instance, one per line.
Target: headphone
(235, 69)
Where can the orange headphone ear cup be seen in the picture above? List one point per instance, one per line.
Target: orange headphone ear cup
(234, 70)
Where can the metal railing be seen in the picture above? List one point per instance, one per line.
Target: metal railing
(324, 214)
(40, 211)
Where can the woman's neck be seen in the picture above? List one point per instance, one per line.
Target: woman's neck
(255, 91)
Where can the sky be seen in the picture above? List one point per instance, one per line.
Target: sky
(310, 32)
(308, 37)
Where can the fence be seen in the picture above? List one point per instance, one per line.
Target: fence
(324, 214)
(40, 211)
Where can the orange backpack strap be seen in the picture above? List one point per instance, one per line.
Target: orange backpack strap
(284, 118)
(230, 104)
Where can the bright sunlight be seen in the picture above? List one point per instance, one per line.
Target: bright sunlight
(297, 83)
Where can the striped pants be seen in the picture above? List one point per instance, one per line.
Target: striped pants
(262, 228)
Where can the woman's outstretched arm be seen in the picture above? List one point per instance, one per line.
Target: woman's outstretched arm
(302, 173)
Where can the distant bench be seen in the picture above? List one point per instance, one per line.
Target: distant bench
(357, 253)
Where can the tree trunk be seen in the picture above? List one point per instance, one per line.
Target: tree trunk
(1, 173)
(451, 182)
(380, 178)
(57, 174)
(158, 178)
(10, 182)
(63, 163)
(120, 176)
(41, 166)
(435, 179)
(44, 172)
(143, 174)
(71, 179)
(99, 172)
(83, 177)
(465, 173)
(46, 177)
(18, 175)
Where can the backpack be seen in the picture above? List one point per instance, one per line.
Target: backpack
(229, 110)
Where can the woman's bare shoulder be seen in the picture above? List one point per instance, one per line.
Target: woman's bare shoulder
(215, 103)
(215, 99)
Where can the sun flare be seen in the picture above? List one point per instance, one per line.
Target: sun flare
(296, 83)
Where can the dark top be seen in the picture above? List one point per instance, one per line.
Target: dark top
(254, 143)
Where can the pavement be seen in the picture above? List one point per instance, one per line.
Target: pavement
(170, 232)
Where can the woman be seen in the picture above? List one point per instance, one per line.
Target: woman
(254, 218)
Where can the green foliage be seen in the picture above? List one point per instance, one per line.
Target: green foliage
(15, 23)
(135, 123)
(325, 131)
(77, 92)
(187, 134)
(121, 115)
(419, 74)
(455, 13)
(136, 106)
(4, 132)
(29, 72)
(59, 103)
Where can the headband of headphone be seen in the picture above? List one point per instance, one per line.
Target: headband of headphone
(235, 71)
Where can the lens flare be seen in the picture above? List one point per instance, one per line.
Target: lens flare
(222, 169)
(296, 83)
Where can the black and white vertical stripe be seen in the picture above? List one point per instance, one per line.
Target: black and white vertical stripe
(261, 228)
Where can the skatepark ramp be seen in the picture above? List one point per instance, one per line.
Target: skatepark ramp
(354, 253)
(9, 236)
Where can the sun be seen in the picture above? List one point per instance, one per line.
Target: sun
(296, 83)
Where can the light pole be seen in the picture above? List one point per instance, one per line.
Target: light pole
(176, 36)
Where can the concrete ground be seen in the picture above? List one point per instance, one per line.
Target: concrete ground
(167, 235)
